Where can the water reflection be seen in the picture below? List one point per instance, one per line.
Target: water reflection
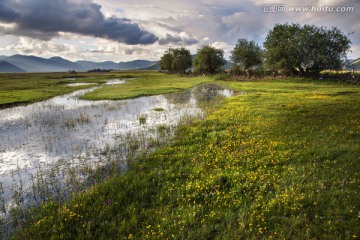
(180, 98)
(66, 131)
(116, 81)
(210, 92)
(79, 84)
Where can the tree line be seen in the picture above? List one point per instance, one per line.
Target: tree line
(288, 48)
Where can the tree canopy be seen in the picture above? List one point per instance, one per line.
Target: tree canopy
(176, 60)
(301, 49)
(247, 54)
(209, 60)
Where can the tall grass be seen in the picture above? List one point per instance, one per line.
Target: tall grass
(280, 162)
(348, 76)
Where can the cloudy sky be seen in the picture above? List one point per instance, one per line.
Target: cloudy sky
(123, 30)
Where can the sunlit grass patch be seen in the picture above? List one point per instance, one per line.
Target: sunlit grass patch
(25, 88)
(145, 84)
(159, 109)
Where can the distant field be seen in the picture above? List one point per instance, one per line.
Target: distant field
(24, 88)
(144, 84)
(280, 161)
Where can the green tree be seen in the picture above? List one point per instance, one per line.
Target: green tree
(246, 54)
(235, 69)
(176, 60)
(301, 49)
(281, 46)
(325, 48)
(166, 60)
(209, 60)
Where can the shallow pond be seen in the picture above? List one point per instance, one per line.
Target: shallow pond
(79, 84)
(116, 81)
(67, 132)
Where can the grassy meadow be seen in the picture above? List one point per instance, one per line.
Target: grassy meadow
(279, 161)
(145, 84)
(25, 88)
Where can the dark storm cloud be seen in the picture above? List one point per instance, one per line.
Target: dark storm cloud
(169, 39)
(183, 38)
(43, 19)
(6, 13)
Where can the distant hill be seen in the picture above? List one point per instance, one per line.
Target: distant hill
(355, 64)
(58, 64)
(38, 64)
(6, 67)
(136, 64)
(65, 64)
(88, 65)
(154, 66)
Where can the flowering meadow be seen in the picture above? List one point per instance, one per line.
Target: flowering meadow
(279, 161)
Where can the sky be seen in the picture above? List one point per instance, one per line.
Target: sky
(125, 30)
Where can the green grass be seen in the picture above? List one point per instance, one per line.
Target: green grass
(158, 109)
(24, 88)
(145, 84)
(280, 162)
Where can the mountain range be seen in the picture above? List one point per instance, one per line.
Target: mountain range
(22, 63)
(355, 64)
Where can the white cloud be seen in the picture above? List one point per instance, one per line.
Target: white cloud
(30, 46)
(225, 47)
(191, 24)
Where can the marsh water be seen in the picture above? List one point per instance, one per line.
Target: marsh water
(67, 132)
